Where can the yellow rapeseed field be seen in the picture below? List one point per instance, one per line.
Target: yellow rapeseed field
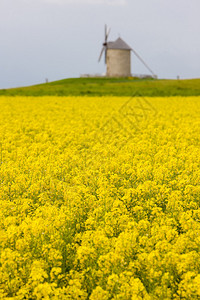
(99, 198)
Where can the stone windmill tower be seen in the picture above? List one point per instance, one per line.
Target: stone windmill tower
(118, 57)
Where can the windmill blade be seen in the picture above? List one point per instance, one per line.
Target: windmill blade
(105, 59)
(143, 62)
(107, 34)
(103, 49)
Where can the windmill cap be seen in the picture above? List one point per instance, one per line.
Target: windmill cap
(118, 44)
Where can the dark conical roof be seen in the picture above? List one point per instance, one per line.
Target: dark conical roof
(118, 44)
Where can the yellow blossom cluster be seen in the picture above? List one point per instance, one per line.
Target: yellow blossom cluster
(99, 198)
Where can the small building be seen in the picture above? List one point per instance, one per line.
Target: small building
(118, 59)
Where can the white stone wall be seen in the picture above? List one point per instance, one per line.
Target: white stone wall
(118, 63)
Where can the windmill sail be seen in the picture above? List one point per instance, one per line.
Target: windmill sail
(104, 49)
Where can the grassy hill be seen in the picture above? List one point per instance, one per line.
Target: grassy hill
(110, 86)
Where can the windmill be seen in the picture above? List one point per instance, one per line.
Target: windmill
(118, 57)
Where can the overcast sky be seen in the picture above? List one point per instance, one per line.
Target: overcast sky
(58, 39)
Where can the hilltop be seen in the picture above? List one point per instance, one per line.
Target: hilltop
(110, 86)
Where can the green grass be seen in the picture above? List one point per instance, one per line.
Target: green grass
(110, 86)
